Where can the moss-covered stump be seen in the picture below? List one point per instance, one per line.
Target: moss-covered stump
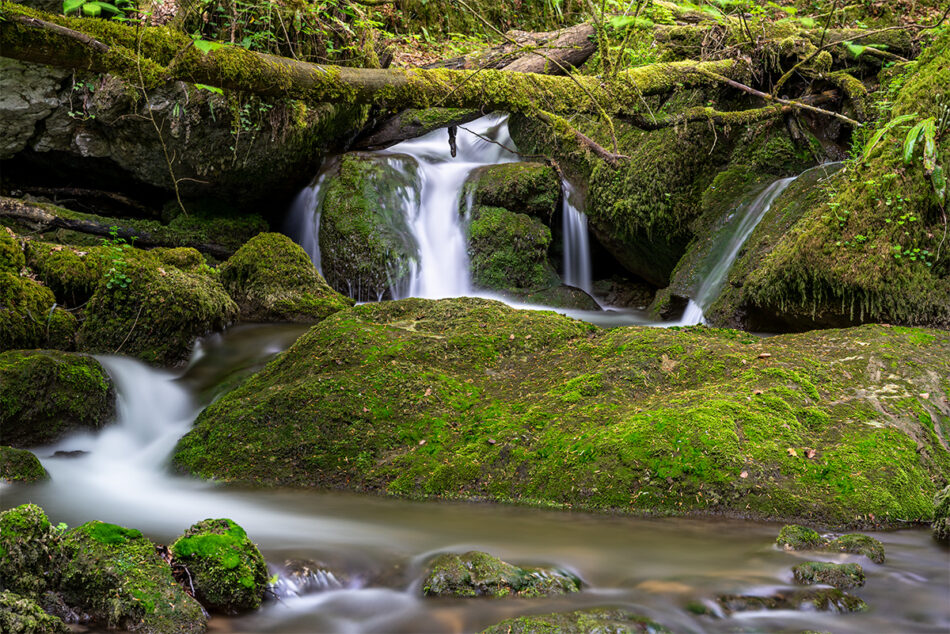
(30, 552)
(817, 600)
(366, 247)
(532, 406)
(19, 465)
(941, 523)
(478, 574)
(509, 251)
(154, 310)
(116, 575)
(46, 393)
(794, 537)
(864, 246)
(614, 621)
(272, 279)
(227, 569)
(22, 615)
(525, 188)
(840, 576)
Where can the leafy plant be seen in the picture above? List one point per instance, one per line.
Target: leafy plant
(929, 130)
(116, 275)
(95, 8)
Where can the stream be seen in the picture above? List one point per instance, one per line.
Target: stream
(373, 549)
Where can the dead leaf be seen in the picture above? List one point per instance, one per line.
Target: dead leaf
(422, 442)
(428, 392)
(491, 441)
(511, 336)
(810, 453)
(744, 474)
(792, 452)
(757, 392)
(667, 364)
(765, 355)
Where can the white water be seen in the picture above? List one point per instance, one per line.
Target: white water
(577, 267)
(303, 220)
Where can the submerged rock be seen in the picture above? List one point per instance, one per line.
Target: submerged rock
(273, 279)
(116, 575)
(227, 569)
(524, 188)
(841, 576)
(941, 522)
(478, 574)
(612, 621)
(509, 251)
(46, 393)
(21, 615)
(19, 465)
(829, 600)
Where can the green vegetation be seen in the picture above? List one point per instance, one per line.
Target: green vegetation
(841, 576)
(524, 188)
(941, 521)
(21, 615)
(46, 393)
(509, 251)
(478, 574)
(795, 537)
(29, 551)
(19, 465)
(579, 622)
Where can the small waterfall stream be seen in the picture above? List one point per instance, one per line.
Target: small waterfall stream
(577, 266)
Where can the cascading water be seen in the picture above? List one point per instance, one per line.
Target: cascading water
(303, 219)
(577, 267)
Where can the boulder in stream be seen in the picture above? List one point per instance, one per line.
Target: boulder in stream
(841, 576)
(858, 544)
(941, 522)
(226, 568)
(20, 465)
(22, 615)
(30, 551)
(526, 188)
(509, 251)
(794, 537)
(478, 574)
(606, 620)
(811, 600)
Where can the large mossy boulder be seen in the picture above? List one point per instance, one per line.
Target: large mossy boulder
(478, 574)
(534, 406)
(227, 569)
(30, 551)
(272, 279)
(941, 522)
(366, 247)
(612, 621)
(46, 393)
(509, 251)
(151, 309)
(116, 575)
(524, 188)
(20, 465)
(22, 615)
(72, 273)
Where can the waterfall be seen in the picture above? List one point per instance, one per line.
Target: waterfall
(577, 269)
(303, 220)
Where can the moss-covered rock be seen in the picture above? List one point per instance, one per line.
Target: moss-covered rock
(19, 465)
(536, 407)
(524, 188)
(794, 537)
(817, 600)
(478, 574)
(841, 576)
(116, 575)
(29, 317)
(562, 296)
(858, 544)
(11, 255)
(366, 247)
(71, 273)
(46, 393)
(153, 310)
(30, 552)
(605, 620)
(227, 569)
(509, 251)
(21, 615)
(273, 279)
(941, 523)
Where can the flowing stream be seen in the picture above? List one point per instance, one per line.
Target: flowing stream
(371, 551)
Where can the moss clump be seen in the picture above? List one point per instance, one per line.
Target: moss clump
(562, 296)
(28, 317)
(641, 420)
(509, 251)
(818, 600)
(21, 615)
(29, 551)
(273, 279)
(11, 255)
(478, 574)
(366, 247)
(841, 576)
(794, 537)
(579, 622)
(157, 315)
(858, 544)
(116, 575)
(45, 393)
(71, 273)
(525, 188)
(227, 569)
(19, 465)
(941, 524)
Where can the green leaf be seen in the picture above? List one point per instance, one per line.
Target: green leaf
(213, 89)
(92, 10)
(105, 6)
(930, 144)
(884, 130)
(939, 180)
(910, 142)
(71, 5)
(855, 49)
(808, 23)
(206, 47)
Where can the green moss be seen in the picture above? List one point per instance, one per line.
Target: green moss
(28, 316)
(478, 574)
(273, 279)
(858, 544)
(525, 188)
(116, 575)
(941, 522)
(45, 393)
(812, 600)
(72, 274)
(580, 622)
(509, 251)
(11, 255)
(19, 465)
(29, 551)
(21, 615)
(841, 576)
(633, 419)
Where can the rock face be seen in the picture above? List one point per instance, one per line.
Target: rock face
(227, 569)
(478, 574)
(941, 523)
(697, 420)
(46, 393)
(579, 622)
(524, 188)
(509, 251)
(19, 465)
(273, 279)
(841, 576)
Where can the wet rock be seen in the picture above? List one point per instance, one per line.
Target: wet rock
(612, 621)
(308, 576)
(19, 465)
(623, 292)
(273, 279)
(841, 576)
(21, 615)
(526, 188)
(75, 453)
(227, 569)
(562, 296)
(509, 251)
(30, 551)
(818, 600)
(858, 544)
(116, 575)
(794, 537)
(941, 522)
(46, 393)
(478, 574)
